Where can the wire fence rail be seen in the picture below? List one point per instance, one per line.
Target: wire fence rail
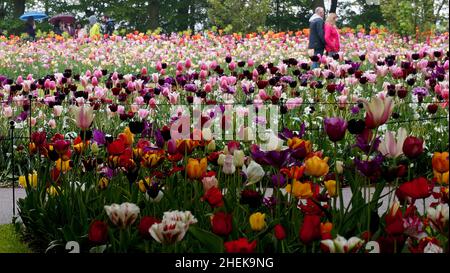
(12, 137)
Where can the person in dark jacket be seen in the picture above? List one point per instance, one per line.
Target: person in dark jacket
(316, 34)
(108, 25)
(31, 28)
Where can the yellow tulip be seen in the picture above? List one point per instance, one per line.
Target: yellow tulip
(299, 190)
(32, 180)
(53, 191)
(315, 166)
(127, 136)
(257, 221)
(62, 166)
(142, 184)
(330, 185)
(103, 183)
(442, 178)
(195, 168)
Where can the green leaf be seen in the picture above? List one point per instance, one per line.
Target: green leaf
(210, 241)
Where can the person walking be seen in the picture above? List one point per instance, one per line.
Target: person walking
(316, 34)
(31, 28)
(108, 25)
(332, 39)
(95, 27)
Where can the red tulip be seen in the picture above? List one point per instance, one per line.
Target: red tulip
(310, 229)
(415, 189)
(222, 223)
(413, 147)
(144, 226)
(241, 245)
(214, 197)
(279, 231)
(98, 232)
(394, 221)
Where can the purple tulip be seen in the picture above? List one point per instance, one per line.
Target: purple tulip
(369, 168)
(335, 128)
(99, 137)
(278, 180)
(276, 159)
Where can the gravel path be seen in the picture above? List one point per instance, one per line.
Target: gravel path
(6, 205)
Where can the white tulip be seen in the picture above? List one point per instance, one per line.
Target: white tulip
(122, 215)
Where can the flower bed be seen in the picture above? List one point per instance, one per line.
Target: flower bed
(170, 144)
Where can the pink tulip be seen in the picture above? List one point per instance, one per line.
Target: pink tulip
(19, 80)
(180, 66)
(158, 66)
(143, 113)
(293, 103)
(115, 76)
(94, 81)
(84, 115)
(203, 66)
(232, 66)
(33, 122)
(277, 90)
(152, 103)
(98, 74)
(250, 62)
(378, 111)
(203, 74)
(120, 109)
(144, 71)
(57, 110)
(392, 145)
(208, 88)
(188, 63)
(52, 123)
(7, 111)
(263, 95)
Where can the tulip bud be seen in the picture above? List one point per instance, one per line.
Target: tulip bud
(211, 146)
(239, 158)
(221, 159)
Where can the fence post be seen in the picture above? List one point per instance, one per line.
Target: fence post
(30, 97)
(11, 123)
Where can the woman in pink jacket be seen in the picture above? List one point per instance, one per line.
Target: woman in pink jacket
(332, 44)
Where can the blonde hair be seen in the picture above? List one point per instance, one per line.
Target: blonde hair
(331, 18)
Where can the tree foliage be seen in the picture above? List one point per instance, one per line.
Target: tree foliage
(242, 15)
(402, 16)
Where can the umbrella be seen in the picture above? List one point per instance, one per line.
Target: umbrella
(36, 15)
(65, 18)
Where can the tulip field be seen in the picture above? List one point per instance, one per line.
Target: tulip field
(227, 143)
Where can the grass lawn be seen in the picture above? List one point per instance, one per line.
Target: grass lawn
(10, 242)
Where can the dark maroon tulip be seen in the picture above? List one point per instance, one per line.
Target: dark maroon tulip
(98, 232)
(61, 146)
(413, 147)
(335, 128)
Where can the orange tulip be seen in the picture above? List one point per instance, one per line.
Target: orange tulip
(315, 166)
(295, 172)
(326, 227)
(300, 190)
(195, 167)
(440, 162)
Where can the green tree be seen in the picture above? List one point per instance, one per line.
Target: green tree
(404, 16)
(359, 12)
(242, 15)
